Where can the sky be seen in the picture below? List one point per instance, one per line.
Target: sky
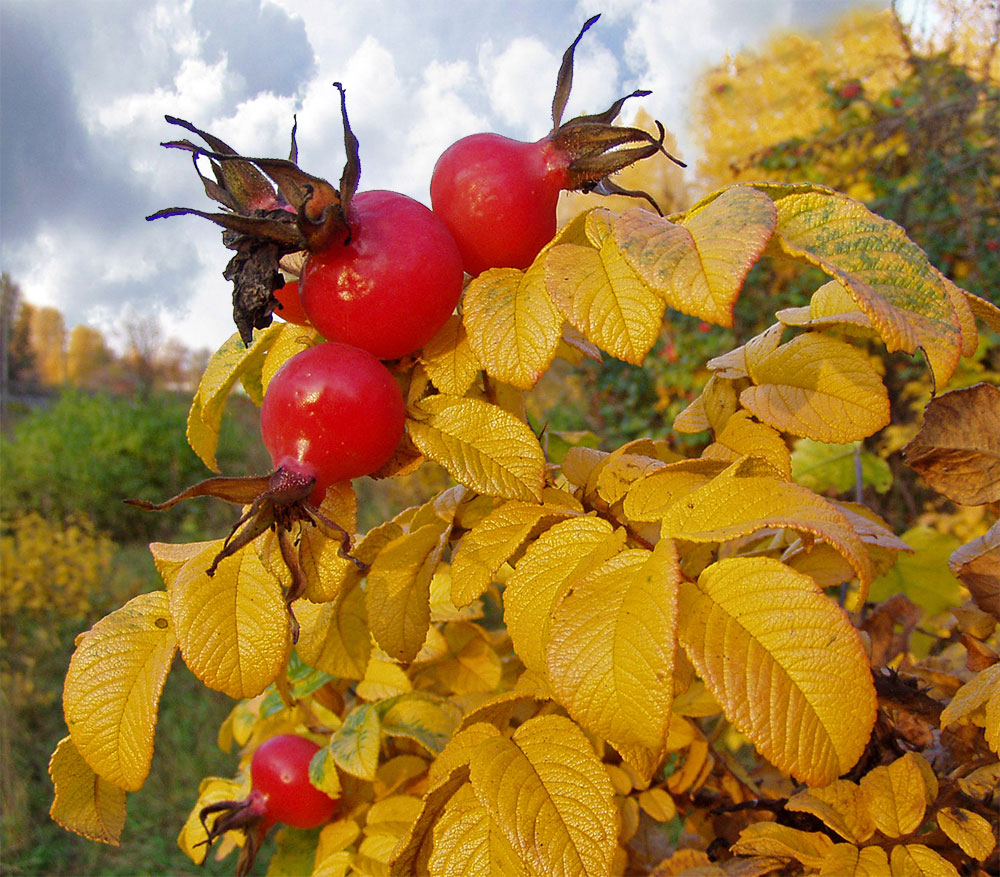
(85, 85)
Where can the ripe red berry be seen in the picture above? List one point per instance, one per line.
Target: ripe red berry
(279, 773)
(290, 309)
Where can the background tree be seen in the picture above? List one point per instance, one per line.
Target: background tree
(87, 357)
(48, 340)
(18, 357)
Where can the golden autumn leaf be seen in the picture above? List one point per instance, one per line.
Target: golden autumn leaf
(471, 665)
(895, 797)
(977, 564)
(831, 306)
(232, 627)
(548, 792)
(716, 404)
(887, 275)
(513, 326)
(840, 805)
(917, 860)
(488, 545)
(658, 804)
(383, 678)
(398, 590)
(468, 841)
(449, 359)
(649, 498)
(355, 745)
(730, 506)
(556, 558)
(820, 388)
(846, 860)
(225, 368)
(809, 848)
(969, 830)
(482, 446)
(84, 803)
(430, 721)
(291, 339)
(333, 637)
(169, 557)
(742, 436)
(610, 654)
(113, 686)
(982, 692)
(699, 264)
(957, 451)
(599, 293)
(809, 704)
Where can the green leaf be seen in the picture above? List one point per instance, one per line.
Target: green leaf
(922, 576)
(820, 466)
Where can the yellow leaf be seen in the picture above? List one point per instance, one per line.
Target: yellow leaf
(742, 436)
(783, 661)
(601, 295)
(658, 804)
(113, 688)
(398, 590)
(895, 796)
(969, 830)
(84, 803)
(983, 691)
(333, 637)
(548, 792)
(449, 359)
(610, 655)
(831, 306)
(846, 860)
(922, 574)
(809, 848)
(333, 859)
(392, 815)
(488, 545)
(841, 805)
(699, 265)
(917, 860)
(225, 368)
(558, 557)
(169, 557)
(820, 388)
(193, 837)
(468, 841)
(471, 664)
(729, 507)
(355, 744)
(650, 497)
(514, 329)
(484, 447)
(429, 720)
(957, 451)
(620, 471)
(383, 678)
(291, 339)
(458, 751)
(232, 627)
(716, 404)
(886, 274)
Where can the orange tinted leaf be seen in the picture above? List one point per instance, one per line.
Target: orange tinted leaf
(917, 860)
(980, 692)
(742, 436)
(770, 839)
(84, 803)
(846, 860)
(841, 805)
(969, 830)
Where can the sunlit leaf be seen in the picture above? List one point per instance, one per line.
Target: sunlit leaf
(886, 274)
(232, 627)
(449, 359)
(712, 409)
(548, 792)
(193, 837)
(895, 796)
(917, 860)
(809, 848)
(699, 264)
(333, 637)
(290, 339)
(513, 326)
(383, 678)
(84, 803)
(555, 559)
(820, 388)
(742, 436)
(471, 664)
(846, 860)
(969, 830)
(809, 704)
(481, 445)
(650, 497)
(840, 805)
(113, 686)
(610, 654)
(601, 295)
(957, 451)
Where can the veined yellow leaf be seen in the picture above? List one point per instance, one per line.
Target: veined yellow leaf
(84, 803)
(398, 590)
(333, 637)
(558, 557)
(481, 445)
(658, 804)
(169, 557)
(650, 497)
(741, 436)
(384, 678)
(548, 792)
(969, 830)
(600, 294)
(355, 744)
(783, 661)
(449, 359)
(699, 264)
(820, 388)
(917, 860)
(458, 751)
(419, 716)
(468, 841)
(232, 627)
(840, 805)
(983, 691)
(113, 688)
(514, 328)
(471, 665)
(886, 274)
(846, 860)
(193, 837)
(730, 507)
(809, 848)
(716, 404)
(290, 339)
(488, 545)
(610, 654)
(225, 368)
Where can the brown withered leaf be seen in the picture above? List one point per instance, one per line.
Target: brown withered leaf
(978, 566)
(881, 628)
(957, 451)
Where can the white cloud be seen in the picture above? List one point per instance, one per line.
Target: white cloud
(516, 80)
